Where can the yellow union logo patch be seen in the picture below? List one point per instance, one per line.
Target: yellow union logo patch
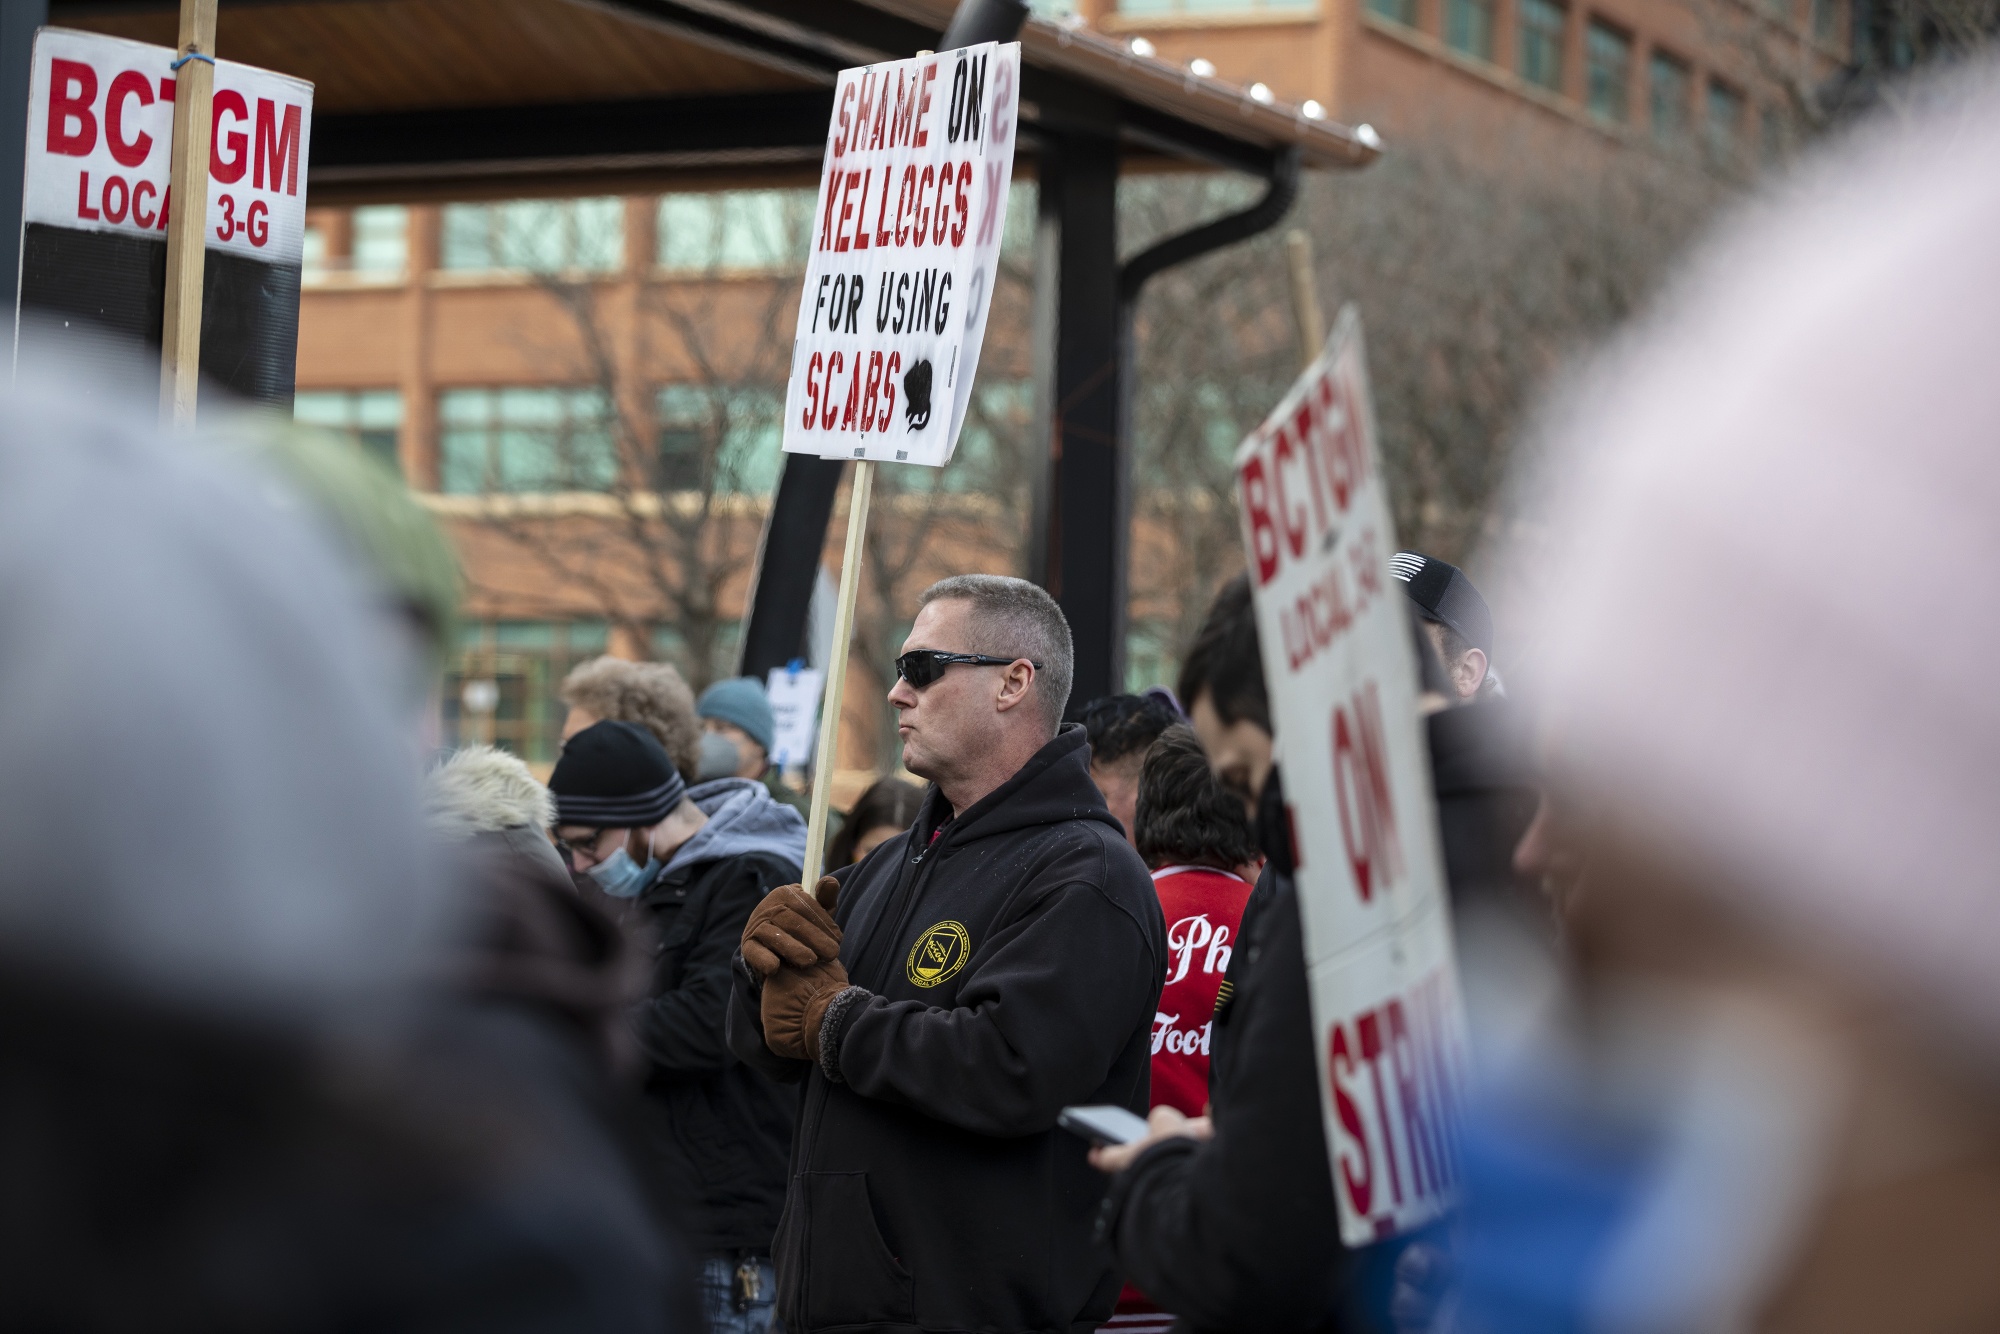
(939, 953)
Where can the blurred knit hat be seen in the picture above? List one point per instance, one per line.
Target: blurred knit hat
(1443, 593)
(615, 776)
(368, 508)
(743, 703)
(1772, 569)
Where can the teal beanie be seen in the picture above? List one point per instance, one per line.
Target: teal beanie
(741, 701)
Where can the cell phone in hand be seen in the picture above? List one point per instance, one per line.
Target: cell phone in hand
(1103, 1124)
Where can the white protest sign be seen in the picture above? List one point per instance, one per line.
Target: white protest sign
(906, 239)
(1335, 633)
(794, 694)
(100, 134)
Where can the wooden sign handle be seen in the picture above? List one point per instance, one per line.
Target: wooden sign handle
(180, 331)
(836, 668)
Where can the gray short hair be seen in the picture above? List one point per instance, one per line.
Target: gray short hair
(1013, 618)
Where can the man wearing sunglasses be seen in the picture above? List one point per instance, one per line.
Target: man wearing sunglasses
(998, 961)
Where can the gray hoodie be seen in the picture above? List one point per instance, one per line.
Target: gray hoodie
(742, 817)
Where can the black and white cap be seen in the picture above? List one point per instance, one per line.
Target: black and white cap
(1443, 593)
(614, 775)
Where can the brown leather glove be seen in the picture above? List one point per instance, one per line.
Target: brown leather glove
(790, 927)
(795, 1000)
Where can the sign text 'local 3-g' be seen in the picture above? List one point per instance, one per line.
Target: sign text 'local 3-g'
(1335, 633)
(906, 236)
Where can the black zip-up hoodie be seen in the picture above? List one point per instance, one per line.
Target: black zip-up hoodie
(1015, 963)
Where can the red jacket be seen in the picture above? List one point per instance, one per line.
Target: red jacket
(1203, 909)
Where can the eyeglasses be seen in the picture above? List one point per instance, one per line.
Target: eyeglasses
(588, 847)
(922, 667)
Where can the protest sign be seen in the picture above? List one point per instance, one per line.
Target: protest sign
(1335, 633)
(906, 239)
(96, 204)
(794, 694)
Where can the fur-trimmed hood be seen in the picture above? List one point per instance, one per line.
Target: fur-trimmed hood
(480, 790)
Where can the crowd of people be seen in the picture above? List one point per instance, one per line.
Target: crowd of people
(305, 1026)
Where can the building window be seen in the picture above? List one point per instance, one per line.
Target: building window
(381, 244)
(1402, 11)
(373, 418)
(1468, 27)
(735, 229)
(525, 440)
(535, 236)
(1669, 82)
(1725, 123)
(1609, 59)
(1829, 21)
(1539, 47)
(502, 690)
(316, 261)
(719, 438)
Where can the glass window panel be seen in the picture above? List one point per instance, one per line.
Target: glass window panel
(1539, 47)
(1669, 81)
(321, 407)
(1402, 11)
(526, 439)
(599, 235)
(1468, 27)
(687, 232)
(369, 417)
(534, 235)
(587, 638)
(524, 634)
(1609, 57)
(378, 409)
(315, 260)
(467, 238)
(381, 239)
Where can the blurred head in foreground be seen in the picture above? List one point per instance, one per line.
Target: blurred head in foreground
(1776, 592)
(235, 1094)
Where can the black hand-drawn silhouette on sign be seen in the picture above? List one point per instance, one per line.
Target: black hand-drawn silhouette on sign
(917, 394)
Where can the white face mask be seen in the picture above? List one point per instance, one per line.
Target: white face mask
(621, 877)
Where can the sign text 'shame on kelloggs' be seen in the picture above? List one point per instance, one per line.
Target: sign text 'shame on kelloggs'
(100, 134)
(906, 237)
(1335, 634)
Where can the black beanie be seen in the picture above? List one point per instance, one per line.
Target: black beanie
(1443, 594)
(615, 776)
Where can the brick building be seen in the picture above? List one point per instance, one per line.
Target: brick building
(507, 355)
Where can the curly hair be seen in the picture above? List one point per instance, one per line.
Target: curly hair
(1186, 816)
(650, 694)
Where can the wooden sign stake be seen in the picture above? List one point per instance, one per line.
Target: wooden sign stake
(836, 668)
(1305, 297)
(187, 191)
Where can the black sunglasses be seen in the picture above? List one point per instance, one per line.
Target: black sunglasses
(922, 667)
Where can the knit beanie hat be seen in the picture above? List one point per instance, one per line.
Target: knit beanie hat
(742, 702)
(1443, 593)
(614, 775)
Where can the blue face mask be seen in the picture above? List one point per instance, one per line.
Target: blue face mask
(621, 877)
